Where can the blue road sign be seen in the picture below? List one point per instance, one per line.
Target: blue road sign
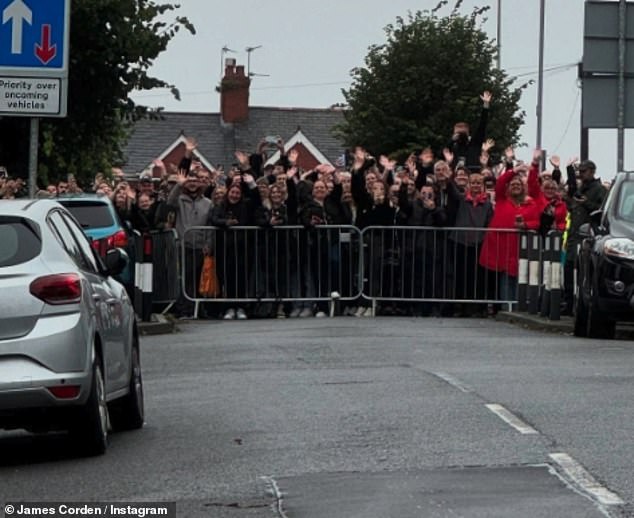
(32, 34)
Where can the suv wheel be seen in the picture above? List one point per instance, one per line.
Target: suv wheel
(598, 325)
(580, 317)
(128, 413)
(580, 312)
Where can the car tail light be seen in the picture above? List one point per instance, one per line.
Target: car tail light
(57, 289)
(65, 391)
(118, 240)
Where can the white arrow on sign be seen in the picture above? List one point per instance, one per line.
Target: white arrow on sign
(17, 12)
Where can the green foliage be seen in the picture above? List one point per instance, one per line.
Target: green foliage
(113, 43)
(428, 75)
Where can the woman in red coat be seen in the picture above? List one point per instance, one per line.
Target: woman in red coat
(514, 211)
(552, 208)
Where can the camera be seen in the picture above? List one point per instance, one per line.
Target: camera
(272, 140)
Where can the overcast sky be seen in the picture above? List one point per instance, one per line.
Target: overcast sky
(308, 48)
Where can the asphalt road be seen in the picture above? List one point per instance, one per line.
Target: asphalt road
(344, 418)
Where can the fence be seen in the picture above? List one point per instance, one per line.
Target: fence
(278, 264)
(379, 264)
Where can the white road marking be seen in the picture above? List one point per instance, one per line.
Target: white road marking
(453, 382)
(274, 491)
(585, 480)
(508, 417)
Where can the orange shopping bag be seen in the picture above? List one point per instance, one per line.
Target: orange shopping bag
(208, 286)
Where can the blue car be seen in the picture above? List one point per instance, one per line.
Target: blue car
(98, 217)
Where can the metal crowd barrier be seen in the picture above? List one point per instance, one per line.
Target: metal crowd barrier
(431, 264)
(393, 264)
(276, 264)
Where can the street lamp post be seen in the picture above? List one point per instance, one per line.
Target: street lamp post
(540, 79)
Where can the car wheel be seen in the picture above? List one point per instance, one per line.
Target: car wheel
(91, 427)
(598, 325)
(580, 312)
(580, 317)
(128, 413)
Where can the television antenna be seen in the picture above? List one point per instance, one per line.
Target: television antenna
(249, 73)
(223, 52)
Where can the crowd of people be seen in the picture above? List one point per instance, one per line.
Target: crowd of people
(478, 205)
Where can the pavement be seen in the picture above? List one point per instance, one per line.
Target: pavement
(562, 326)
(158, 325)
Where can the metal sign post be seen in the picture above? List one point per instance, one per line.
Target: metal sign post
(34, 48)
(34, 145)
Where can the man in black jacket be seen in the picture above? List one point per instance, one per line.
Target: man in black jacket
(467, 148)
(582, 201)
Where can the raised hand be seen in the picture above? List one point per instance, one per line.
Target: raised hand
(555, 161)
(359, 157)
(488, 144)
(410, 163)
(447, 153)
(572, 161)
(242, 158)
(190, 145)
(181, 176)
(537, 156)
(486, 98)
(509, 154)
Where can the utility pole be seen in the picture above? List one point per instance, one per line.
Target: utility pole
(499, 34)
(540, 80)
(620, 113)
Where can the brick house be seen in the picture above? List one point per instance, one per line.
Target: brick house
(238, 126)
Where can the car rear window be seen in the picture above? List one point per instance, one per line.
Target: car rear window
(89, 214)
(20, 240)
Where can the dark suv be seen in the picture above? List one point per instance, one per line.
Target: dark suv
(605, 269)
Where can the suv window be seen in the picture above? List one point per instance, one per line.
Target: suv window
(90, 214)
(20, 241)
(626, 201)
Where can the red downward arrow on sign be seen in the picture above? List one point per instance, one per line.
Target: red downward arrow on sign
(44, 51)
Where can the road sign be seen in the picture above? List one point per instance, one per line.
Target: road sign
(34, 45)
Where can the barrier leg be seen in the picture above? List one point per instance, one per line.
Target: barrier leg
(555, 277)
(533, 275)
(147, 276)
(522, 279)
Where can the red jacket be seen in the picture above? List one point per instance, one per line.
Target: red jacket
(560, 211)
(500, 250)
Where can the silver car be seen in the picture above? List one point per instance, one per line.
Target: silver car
(69, 345)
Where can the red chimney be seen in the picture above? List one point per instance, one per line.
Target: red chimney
(234, 93)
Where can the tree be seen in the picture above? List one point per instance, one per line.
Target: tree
(427, 76)
(113, 43)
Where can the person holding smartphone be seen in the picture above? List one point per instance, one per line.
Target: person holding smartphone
(585, 195)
